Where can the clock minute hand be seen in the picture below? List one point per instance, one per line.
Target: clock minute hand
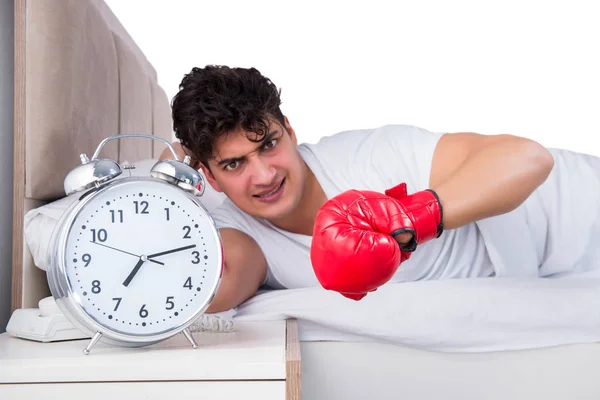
(162, 253)
(126, 252)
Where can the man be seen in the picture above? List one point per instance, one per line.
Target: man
(280, 193)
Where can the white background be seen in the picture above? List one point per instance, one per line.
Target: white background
(529, 68)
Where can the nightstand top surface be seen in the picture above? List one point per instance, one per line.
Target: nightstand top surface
(255, 350)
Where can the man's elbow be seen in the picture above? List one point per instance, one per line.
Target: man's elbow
(223, 303)
(540, 159)
(533, 164)
(219, 306)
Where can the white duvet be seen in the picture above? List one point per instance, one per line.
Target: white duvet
(462, 315)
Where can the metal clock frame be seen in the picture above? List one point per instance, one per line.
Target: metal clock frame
(170, 174)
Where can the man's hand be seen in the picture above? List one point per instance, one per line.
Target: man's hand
(404, 238)
(360, 238)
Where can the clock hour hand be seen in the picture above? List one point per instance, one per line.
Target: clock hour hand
(134, 271)
(162, 253)
(126, 252)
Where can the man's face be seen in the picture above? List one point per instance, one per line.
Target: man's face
(264, 179)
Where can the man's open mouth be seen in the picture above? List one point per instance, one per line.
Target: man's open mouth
(271, 192)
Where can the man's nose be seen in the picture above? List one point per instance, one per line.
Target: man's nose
(263, 173)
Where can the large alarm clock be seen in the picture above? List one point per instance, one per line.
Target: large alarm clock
(134, 260)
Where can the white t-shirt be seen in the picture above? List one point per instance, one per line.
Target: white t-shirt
(373, 159)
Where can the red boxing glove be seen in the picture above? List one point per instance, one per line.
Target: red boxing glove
(353, 249)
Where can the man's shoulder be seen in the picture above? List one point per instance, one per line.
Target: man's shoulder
(228, 207)
(361, 141)
(364, 157)
(358, 135)
(228, 215)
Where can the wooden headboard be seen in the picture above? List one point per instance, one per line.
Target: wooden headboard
(79, 77)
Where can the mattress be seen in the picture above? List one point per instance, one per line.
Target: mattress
(351, 370)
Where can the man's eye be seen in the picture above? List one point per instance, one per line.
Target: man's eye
(270, 144)
(232, 165)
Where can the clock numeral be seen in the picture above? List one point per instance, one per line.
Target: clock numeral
(86, 259)
(196, 259)
(113, 214)
(96, 287)
(187, 233)
(167, 210)
(143, 205)
(188, 283)
(170, 304)
(118, 300)
(101, 236)
(143, 311)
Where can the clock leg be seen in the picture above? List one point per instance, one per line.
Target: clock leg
(189, 337)
(92, 343)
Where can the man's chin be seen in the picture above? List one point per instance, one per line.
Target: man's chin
(274, 215)
(273, 212)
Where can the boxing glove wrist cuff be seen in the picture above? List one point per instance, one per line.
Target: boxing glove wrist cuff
(440, 212)
(426, 213)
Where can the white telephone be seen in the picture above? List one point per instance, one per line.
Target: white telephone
(43, 324)
(48, 324)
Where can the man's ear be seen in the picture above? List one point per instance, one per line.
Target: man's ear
(210, 178)
(291, 131)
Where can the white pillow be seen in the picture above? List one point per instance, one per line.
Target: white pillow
(40, 222)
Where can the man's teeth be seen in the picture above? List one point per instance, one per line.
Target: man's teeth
(270, 193)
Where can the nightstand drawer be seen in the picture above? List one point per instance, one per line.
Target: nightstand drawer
(264, 390)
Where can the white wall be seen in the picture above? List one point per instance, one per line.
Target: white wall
(6, 155)
(518, 66)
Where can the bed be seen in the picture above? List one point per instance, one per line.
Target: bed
(80, 77)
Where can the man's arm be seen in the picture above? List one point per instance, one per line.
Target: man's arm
(245, 266)
(354, 249)
(244, 270)
(479, 176)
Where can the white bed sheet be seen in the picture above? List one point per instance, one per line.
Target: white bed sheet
(462, 315)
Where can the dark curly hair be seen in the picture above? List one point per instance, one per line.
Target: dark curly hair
(215, 100)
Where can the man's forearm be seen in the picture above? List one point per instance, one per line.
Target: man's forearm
(494, 180)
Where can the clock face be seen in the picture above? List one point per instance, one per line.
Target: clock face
(142, 258)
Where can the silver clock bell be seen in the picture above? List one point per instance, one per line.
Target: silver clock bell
(98, 171)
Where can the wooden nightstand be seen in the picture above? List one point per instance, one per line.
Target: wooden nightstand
(259, 360)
